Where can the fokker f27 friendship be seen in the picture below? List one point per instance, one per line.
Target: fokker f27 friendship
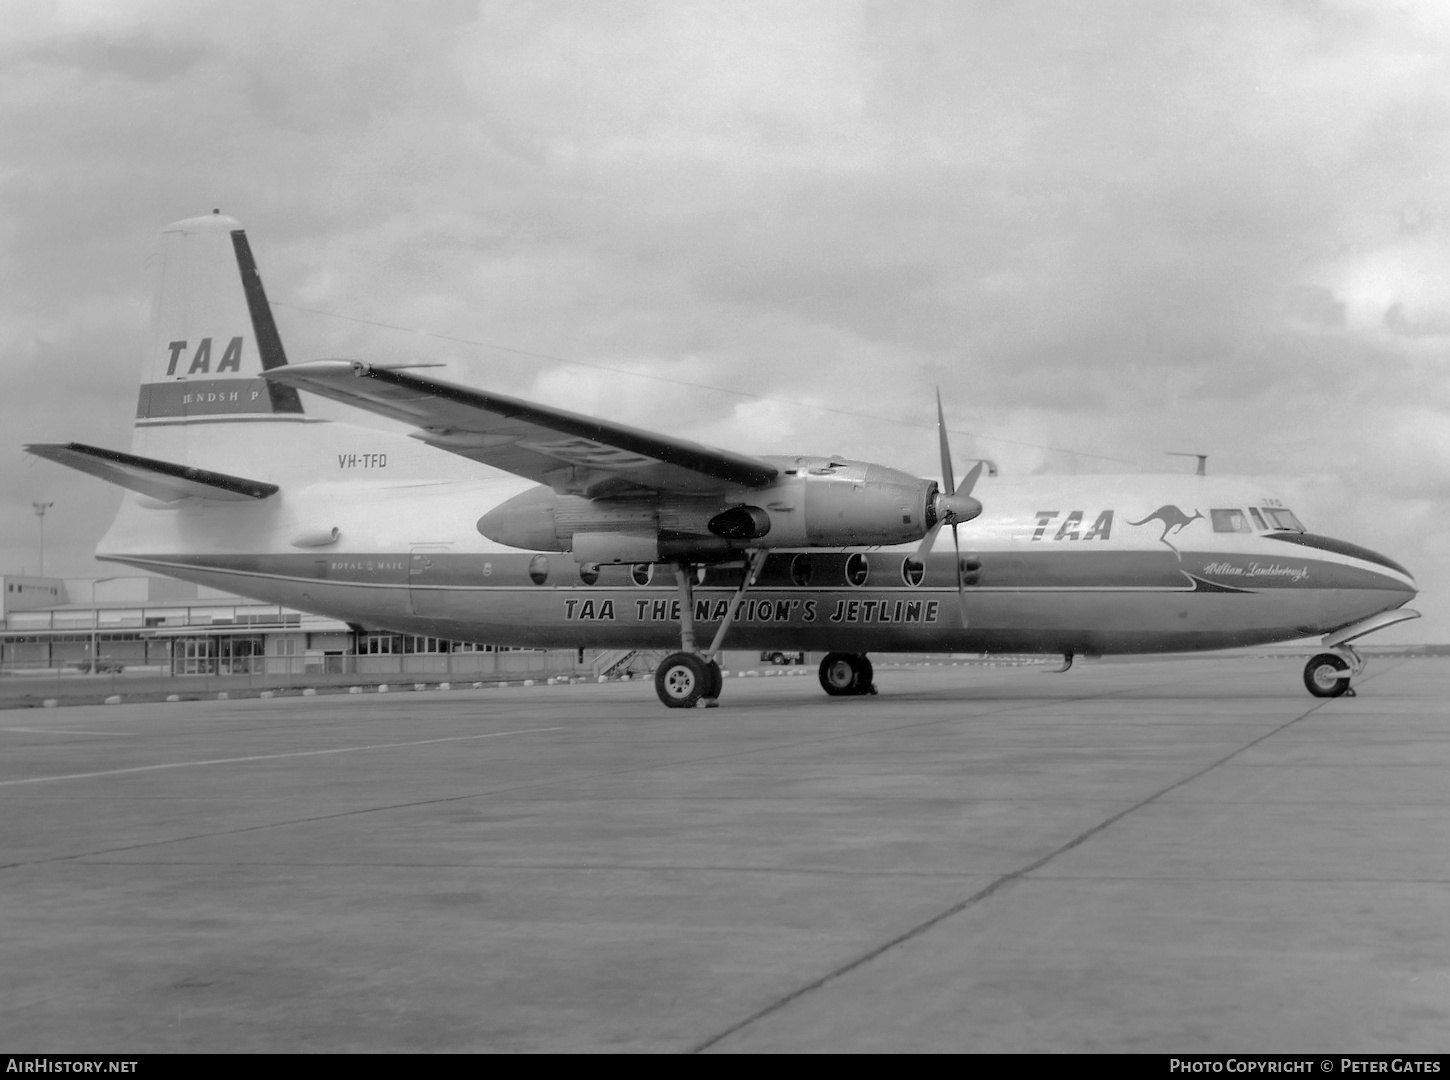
(514, 523)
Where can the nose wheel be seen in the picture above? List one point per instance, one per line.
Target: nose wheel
(847, 675)
(1327, 675)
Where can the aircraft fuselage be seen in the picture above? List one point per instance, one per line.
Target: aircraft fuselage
(1054, 565)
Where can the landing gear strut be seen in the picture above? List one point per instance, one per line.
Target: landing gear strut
(690, 677)
(846, 675)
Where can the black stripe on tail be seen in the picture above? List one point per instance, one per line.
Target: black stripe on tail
(269, 342)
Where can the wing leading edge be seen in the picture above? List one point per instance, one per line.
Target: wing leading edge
(572, 453)
(164, 480)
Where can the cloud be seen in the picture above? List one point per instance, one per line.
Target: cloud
(1121, 230)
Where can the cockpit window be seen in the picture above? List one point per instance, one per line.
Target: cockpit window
(1258, 521)
(1229, 521)
(1283, 520)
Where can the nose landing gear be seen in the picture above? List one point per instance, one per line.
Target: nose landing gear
(1327, 675)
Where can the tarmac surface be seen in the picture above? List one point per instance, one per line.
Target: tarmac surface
(1168, 856)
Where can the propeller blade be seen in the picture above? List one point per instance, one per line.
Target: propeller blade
(961, 585)
(946, 451)
(970, 480)
(926, 542)
(954, 505)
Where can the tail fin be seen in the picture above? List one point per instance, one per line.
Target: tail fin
(212, 334)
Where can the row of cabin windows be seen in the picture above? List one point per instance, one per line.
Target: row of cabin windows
(858, 570)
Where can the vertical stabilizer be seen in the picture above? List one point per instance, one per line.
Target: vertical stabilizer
(212, 334)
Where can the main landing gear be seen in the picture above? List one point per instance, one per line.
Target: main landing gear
(685, 679)
(846, 674)
(1328, 674)
(691, 677)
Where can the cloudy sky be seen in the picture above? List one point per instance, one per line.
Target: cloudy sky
(1106, 230)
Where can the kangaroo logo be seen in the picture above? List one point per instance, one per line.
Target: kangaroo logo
(1172, 519)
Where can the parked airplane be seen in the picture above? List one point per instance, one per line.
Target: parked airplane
(514, 523)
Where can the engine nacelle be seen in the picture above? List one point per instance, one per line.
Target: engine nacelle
(817, 502)
(856, 504)
(607, 530)
(616, 547)
(740, 523)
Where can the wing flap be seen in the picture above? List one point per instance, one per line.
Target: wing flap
(572, 453)
(162, 480)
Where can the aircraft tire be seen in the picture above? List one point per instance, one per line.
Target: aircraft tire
(846, 675)
(716, 681)
(1322, 676)
(682, 679)
(865, 676)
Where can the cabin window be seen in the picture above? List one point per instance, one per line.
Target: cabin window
(1283, 520)
(1229, 521)
(642, 573)
(912, 571)
(539, 569)
(589, 572)
(857, 570)
(800, 570)
(1258, 519)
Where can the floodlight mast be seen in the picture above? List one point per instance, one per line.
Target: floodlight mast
(40, 509)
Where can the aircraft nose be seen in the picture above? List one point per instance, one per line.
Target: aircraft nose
(1396, 576)
(1388, 574)
(1392, 576)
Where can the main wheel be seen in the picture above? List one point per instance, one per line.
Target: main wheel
(716, 681)
(865, 675)
(682, 679)
(1324, 675)
(846, 674)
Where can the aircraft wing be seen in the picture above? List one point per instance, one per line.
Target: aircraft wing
(573, 454)
(164, 480)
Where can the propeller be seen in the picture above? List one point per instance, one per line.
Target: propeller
(953, 505)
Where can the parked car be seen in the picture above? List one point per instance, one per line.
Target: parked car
(777, 657)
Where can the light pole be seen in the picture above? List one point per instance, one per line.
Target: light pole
(40, 509)
(96, 624)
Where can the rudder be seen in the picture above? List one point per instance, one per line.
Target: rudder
(212, 333)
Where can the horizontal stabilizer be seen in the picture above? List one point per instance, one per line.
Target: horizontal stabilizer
(158, 479)
(571, 453)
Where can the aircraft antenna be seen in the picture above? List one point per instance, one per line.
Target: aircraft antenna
(1202, 460)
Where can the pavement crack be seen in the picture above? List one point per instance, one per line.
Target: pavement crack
(990, 889)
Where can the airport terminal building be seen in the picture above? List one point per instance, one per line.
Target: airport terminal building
(162, 626)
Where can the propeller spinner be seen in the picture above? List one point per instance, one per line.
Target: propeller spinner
(952, 505)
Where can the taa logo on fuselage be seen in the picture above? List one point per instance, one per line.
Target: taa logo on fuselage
(1071, 527)
(230, 359)
(1172, 519)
